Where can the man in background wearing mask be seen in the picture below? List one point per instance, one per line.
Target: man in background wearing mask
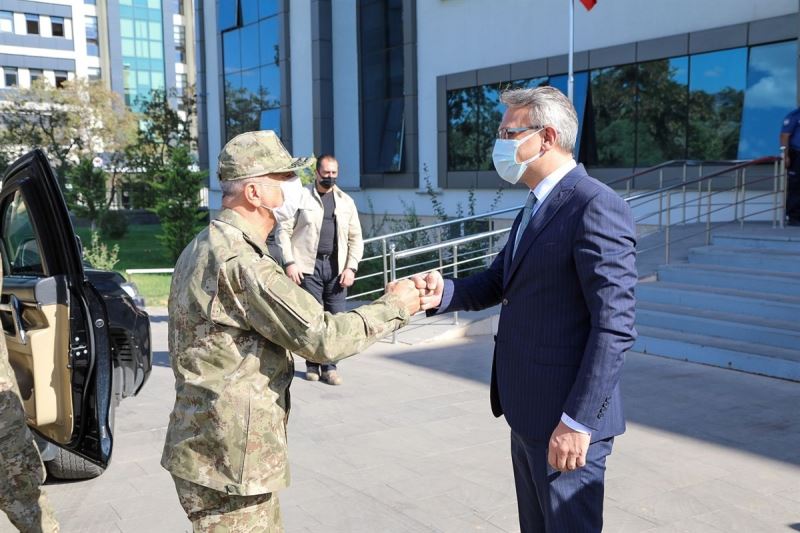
(321, 247)
(565, 280)
(234, 321)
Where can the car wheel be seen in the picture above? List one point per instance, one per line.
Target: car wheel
(67, 465)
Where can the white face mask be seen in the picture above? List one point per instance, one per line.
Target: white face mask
(504, 157)
(292, 195)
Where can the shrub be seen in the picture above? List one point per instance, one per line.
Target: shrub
(98, 254)
(113, 225)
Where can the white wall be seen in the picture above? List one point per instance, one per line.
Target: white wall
(301, 77)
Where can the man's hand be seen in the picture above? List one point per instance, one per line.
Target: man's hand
(408, 293)
(347, 278)
(567, 449)
(293, 271)
(430, 286)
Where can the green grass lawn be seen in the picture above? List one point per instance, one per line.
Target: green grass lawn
(140, 248)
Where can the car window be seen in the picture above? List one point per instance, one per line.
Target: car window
(19, 239)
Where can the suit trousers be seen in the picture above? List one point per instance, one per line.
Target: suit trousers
(550, 501)
(323, 285)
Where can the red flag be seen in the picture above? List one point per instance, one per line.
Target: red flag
(589, 4)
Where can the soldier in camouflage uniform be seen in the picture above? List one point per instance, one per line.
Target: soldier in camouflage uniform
(234, 318)
(21, 468)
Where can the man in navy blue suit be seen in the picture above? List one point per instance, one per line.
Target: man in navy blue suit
(565, 281)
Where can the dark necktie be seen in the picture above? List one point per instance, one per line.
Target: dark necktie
(526, 218)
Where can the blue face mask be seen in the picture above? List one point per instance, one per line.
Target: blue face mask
(504, 157)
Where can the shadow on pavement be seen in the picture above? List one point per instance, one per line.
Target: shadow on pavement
(742, 411)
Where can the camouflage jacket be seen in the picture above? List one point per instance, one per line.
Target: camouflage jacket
(234, 318)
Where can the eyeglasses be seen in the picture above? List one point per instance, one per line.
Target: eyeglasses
(503, 133)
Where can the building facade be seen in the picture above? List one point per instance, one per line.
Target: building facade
(406, 92)
(133, 46)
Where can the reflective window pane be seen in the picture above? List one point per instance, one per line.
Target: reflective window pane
(32, 24)
(717, 82)
(6, 21)
(271, 86)
(270, 120)
(580, 86)
(771, 94)
(249, 44)
(268, 8)
(228, 14)
(269, 37)
(249, 11)
(462, 129)
(662, 107)
(10, 76)
(490, 114)
(231, 51)
(613, 107)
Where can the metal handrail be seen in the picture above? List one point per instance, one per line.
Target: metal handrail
(490, 214)
(759, 161)
(675, 162)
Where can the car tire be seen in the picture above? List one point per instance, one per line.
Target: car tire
(67, 465)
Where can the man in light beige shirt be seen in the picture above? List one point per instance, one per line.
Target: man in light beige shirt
(321, 248)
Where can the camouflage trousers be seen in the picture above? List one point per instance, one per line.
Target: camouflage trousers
(212, 511)
(21, 468)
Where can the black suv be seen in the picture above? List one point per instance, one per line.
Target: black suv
(77, 340)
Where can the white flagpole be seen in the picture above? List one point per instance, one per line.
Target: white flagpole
(570, 77)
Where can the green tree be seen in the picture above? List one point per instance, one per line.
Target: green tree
(87, 193)
(163, 127)
(78, 120)
(178, 200)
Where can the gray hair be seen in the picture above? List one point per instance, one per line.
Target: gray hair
(548, 107)
(233, 188)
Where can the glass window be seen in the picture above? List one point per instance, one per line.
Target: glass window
(267, 8)
(94, 74)
(177, 6)
(249, 42)
(249, 11)
(251, 83)
(269, 37)
(580, 87)
(242, 111)
(663, 94)
(231, 51)
(771, 94)
(381, 78)
(463, 138)
(32, 24)
(19, 239)
(61, 76)
(92, 41)
(57, 26)
(36, 74)
(271, 86)
(128, 47)
(10, 75)
(126, 28)
(270, 120)
(717, 82)
(155, 31)
(228, 14)
(612, 97)
(156, 50)
(6, 21)
(181, 81)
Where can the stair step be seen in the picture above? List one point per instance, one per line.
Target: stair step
(731, 277)
(771, 307)
(762, 259)
(778, 241)
(730, 326)
(723, 353)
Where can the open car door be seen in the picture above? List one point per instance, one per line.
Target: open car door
(54, 323)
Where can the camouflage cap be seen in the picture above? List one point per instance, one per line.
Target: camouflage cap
(256, 153)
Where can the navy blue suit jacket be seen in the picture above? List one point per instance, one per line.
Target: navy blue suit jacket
(567, 311)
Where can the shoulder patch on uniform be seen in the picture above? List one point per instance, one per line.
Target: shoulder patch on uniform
(287, 294)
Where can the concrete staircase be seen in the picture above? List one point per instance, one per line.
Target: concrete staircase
(735, 304)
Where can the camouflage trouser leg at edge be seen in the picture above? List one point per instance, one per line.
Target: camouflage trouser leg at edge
(21, 469)
(212, 511)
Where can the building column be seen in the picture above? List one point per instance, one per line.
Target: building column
(322, 75)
